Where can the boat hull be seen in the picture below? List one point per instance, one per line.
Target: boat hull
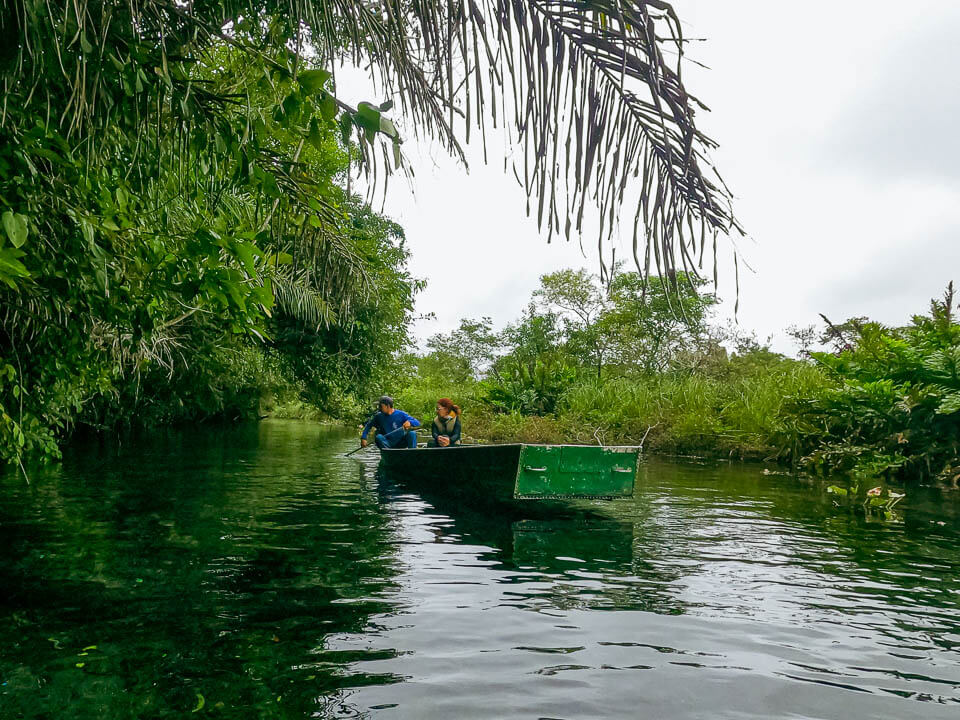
(485, 471)
(517, 472)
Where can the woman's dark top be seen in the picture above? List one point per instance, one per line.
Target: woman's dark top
(449, 426)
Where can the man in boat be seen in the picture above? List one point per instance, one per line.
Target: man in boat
(393, 427)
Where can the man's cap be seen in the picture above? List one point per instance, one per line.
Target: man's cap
(386, 400)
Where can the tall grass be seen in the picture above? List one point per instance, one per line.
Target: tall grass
(734, 412)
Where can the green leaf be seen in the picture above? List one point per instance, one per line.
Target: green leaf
(346, 128)
(11, 267)
(313, 80)
(328, 106)
(315, 136)
(248, 252)
(236, 293)
(386, 106)
(15, 225)
(280, 258)
(388, 128)
(367, 116)
(264, 294)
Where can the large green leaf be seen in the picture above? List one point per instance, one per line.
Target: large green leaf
(313, 80)
(11, 267)
(368, 118)
(247, 253)
(328, 106)
(15, 225)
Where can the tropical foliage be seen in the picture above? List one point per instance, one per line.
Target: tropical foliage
(591, 362)
(156, 272)
(621, 361)
(894, 408)
(175, 221)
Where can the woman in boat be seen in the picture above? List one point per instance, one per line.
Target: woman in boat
(446, 425)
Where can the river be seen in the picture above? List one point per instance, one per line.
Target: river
(254, 572)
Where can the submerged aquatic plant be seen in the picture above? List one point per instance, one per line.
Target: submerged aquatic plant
(877, 501)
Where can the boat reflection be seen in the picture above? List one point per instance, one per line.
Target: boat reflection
(554, 554)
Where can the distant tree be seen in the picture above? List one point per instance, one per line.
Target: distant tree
(805, 336)
(470, 350)
(539, 331)
(534, 371)
(581, 303)
(630, 324)
(650, 322)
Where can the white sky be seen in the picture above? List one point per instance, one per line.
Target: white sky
(839, 135)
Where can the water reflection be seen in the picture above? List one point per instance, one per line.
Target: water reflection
(804, 592)
(257, 573)
(205, 566)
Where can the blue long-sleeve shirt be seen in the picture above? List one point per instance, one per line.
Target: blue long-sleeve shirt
(386, 424)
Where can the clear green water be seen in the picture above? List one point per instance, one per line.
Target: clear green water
(259, 570)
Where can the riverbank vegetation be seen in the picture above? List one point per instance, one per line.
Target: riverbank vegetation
(191, 256)
(628, 362)
(180, 237)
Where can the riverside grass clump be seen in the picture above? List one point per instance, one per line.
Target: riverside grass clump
(739, 414)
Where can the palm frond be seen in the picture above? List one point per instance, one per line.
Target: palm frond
(591, 91)
(587, 92)
(304, 303)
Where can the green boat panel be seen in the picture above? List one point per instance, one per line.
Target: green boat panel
(576, 471)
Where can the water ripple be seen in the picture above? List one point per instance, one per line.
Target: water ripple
(262, 570)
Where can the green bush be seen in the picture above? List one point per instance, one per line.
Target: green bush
(894, 408)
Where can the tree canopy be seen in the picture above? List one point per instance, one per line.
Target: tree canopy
(591, 93)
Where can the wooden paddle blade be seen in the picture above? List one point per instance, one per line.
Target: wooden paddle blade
(561, 471)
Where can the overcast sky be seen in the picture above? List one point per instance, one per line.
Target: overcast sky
(839, 136)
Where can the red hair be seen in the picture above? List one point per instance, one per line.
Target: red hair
(446, 403)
